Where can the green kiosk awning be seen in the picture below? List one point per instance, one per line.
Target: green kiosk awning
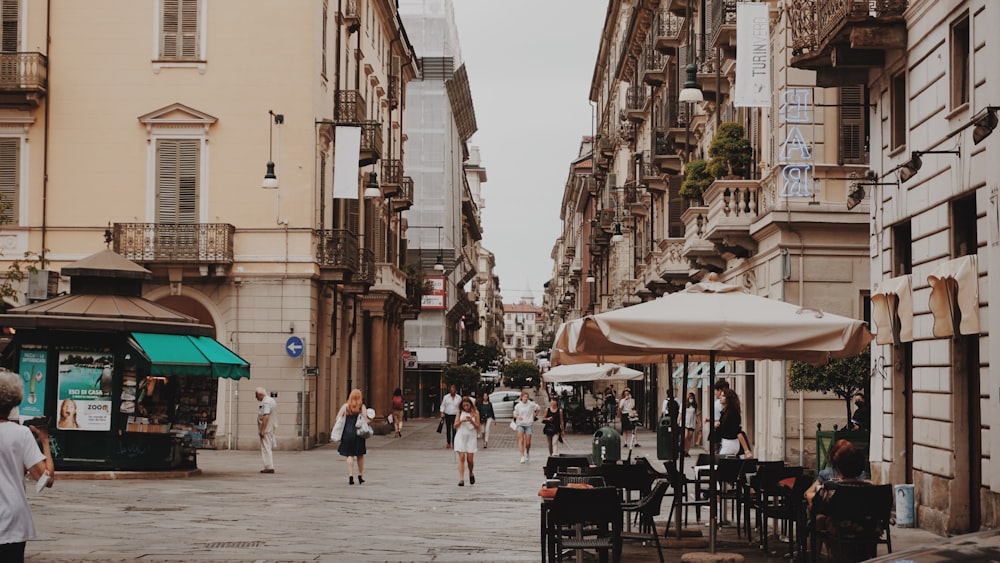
(178, 354)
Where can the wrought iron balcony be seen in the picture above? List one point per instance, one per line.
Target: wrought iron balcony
(722, 33)
(403, 199)
(652, 177)
(371, 143)
(366, 272)
(845, 33)
(392, 176)
(196, 243)
(652, 68)
(669, 32)
(666, 158)
(352, 15)
(636, 104)
(679, 7)
(348, 107)
(338, 249)
(23, 79)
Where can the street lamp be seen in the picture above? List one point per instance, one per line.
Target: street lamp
(270, 178)
(692, 91)
(371, 189)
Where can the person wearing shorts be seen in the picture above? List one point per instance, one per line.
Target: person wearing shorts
(525, 413)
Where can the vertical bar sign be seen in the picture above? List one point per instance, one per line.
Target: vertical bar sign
(347, 151)
(753, 56)
(33, 375)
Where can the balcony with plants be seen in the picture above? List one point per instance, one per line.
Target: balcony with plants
(852, 35)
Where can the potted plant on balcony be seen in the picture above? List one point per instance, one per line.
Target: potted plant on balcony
(731, 152)
(420, 285)
(697, 179)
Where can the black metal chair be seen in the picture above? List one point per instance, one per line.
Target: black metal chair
(580, 478)
(582, 518)
(646, 509)
(786, 505)
(853, 522)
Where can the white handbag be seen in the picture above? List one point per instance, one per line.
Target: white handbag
(338, 429)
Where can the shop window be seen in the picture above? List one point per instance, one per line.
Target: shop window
(959, 67)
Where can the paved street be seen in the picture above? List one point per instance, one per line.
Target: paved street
(409, 509)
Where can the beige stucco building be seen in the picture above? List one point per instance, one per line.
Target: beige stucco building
(150, 130)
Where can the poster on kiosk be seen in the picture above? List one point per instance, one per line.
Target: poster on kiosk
(84, 395)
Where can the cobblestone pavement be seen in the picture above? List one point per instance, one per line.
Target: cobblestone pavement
(409, 509)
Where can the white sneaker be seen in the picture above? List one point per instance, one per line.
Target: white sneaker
(524, 459)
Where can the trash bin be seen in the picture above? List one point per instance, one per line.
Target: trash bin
(607, 445)
(904, 506)
(665, 439)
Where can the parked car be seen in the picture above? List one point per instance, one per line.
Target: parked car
(503, 403)
(977, 546)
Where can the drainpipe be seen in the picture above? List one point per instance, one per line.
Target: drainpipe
(45, 150)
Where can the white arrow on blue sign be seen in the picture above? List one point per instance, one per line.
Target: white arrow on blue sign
(294, 346)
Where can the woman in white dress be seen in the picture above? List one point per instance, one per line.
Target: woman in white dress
(466, 432)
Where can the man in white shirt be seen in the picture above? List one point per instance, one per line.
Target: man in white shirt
(525, 413)
(267, 423)
(449, 409)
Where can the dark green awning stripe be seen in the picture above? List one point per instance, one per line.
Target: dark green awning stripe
(176, 354)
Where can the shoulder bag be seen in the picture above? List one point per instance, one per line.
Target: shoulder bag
(362, 428)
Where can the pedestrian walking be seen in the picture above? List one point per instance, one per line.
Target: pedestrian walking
(629, 417)
(466, 430)
(554, 427)
(20, 453)
(525, 414)
(449, 409)
(486, 418)
(728, 426)
(267, 424)
(397, 411)
(352, 446)
(690, 422)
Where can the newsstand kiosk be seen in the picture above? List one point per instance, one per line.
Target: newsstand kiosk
(127, 384)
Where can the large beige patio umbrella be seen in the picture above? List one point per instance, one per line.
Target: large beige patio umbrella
(574, 373)
(710, 319)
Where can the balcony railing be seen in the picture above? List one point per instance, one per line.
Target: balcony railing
(366, 272)
(389, 279)
(197, 243)
(338, 249)
(652, 68)
(723, 23)
(635, 104)
(403, 199)
(817, 24)
(668, 33)
(23, 78)
(732, 209)
(349, 107)
(392, 176)
(371, 143)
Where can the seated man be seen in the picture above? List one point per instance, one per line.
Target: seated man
(848, 466)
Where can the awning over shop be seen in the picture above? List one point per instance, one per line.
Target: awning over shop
(176, 354)
(954, 299)
(892, 311)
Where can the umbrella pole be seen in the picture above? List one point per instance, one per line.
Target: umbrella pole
(711, 459)
(680, 457)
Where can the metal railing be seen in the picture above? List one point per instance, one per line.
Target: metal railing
(349, 107)
(338, 248)
(205, 243)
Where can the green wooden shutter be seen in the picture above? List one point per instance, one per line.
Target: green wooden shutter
(9, 12)
(852, 125)
(177, 166)
(179, 33)
(9, 157)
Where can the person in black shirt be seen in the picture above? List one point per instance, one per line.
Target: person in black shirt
(862, 417)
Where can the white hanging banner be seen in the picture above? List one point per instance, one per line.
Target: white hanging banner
(347, 151)
(753, 56)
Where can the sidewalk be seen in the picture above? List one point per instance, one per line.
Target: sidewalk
(409, 509)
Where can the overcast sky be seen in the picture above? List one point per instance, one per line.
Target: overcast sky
(530, 64)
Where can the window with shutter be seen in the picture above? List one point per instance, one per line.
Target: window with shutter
(179, 30)
(853, 126)
(9, 12)
(9, 182)
(676, 205)
(177, 166)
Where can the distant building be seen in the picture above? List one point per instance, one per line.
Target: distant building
(522, 329)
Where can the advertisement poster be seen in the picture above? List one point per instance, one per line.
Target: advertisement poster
(84, 398)
(434, 299)
(33, 376)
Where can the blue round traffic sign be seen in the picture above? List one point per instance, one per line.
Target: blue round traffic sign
(294, 346)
